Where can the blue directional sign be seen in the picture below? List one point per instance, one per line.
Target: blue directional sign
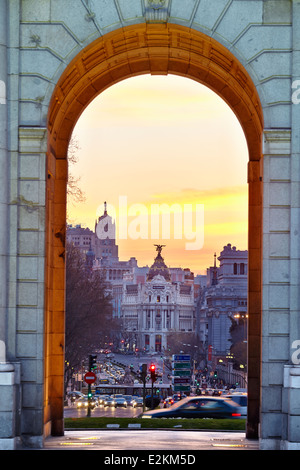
(181, 357)
(181, 372)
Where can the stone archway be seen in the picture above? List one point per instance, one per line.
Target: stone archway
(123, 53)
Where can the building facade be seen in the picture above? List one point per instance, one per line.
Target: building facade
(158, 305)
(224, 297)
(102, 242)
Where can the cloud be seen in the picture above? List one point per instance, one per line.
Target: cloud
(214, 198)
(153, 100)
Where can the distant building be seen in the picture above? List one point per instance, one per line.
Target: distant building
(160, 304)
(105, 238)
(154, 302)
(114, 272)
(107, 259)
(82, 238)
(102, 242)
(224, 296)
(101, 252)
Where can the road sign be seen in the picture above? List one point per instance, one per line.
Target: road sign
(181, 365)
(90, 377)
(181, 373)
(181, 357)
(181, 380)
(181, 388)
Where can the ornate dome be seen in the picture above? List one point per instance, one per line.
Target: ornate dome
(159, 267)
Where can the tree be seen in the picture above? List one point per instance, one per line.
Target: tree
(187, 342)
(238, 331)
(88, 310)
(74, 192)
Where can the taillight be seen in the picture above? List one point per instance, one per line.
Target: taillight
(235, 414)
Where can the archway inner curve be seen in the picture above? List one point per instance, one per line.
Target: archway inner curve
(131, 51)
(155, 49)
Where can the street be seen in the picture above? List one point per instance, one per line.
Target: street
(135, 360)
(109, 412)
(149, 440)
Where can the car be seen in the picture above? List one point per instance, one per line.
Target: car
(94, 400)
(168, 402)
(198, 407)
(128, 399)
(102, 398)
(74, 395)
(84, 402)
(177, 396)
(137, 401)
(242, 400)
(109, 401)
(120, 401)
(216, 393)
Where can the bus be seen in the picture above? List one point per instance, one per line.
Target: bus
(163, 390)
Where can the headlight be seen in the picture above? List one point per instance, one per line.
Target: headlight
(147, 416)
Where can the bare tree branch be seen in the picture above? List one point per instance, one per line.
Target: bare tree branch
(74, 192)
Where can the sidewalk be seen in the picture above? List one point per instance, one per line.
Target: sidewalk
(150, 440)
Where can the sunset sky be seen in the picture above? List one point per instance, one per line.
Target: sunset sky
(154, 140)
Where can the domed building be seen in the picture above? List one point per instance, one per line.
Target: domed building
(157, 307)
(159, 268)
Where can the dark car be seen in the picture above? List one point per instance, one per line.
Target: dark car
(177, 397)
(198, 407)
(73, 396)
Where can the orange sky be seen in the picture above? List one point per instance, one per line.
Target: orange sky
(154, 140)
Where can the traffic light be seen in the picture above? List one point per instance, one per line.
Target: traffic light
(152, 370)
(215, 374)
(92, 362)
(143, 371)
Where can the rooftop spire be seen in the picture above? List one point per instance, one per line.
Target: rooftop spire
(215, 279)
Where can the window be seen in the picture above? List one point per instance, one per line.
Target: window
(157, 343)
(210, 404)
(191, 405)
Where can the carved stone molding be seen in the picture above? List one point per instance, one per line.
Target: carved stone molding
(156, 11)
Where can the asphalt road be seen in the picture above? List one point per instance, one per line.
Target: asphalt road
(109, 412)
